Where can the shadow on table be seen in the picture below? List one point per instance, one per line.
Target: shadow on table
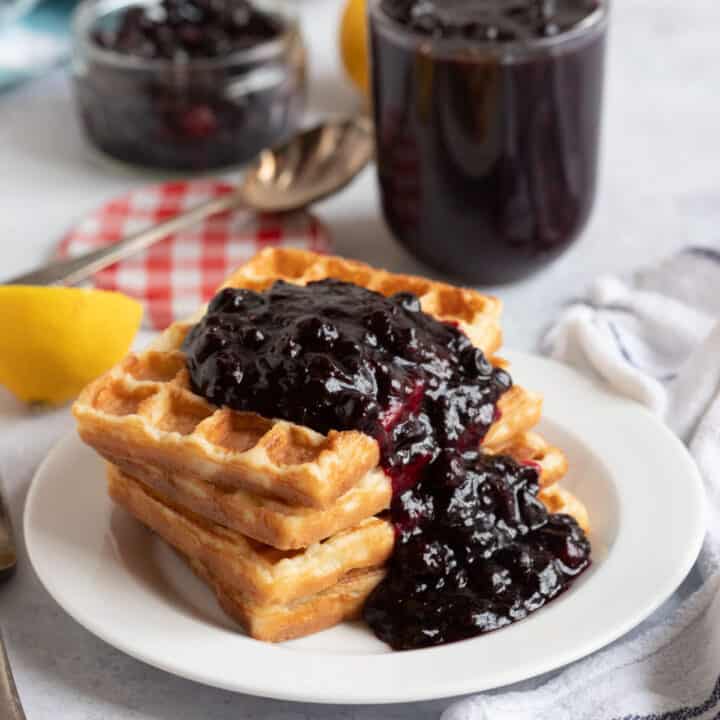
(365, 238)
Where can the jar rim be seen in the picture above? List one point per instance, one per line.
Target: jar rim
(588, 28)
(88, 12)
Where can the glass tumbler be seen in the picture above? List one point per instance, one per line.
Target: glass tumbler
(487, 150)
(193, 114)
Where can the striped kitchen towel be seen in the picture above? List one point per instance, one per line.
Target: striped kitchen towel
(653, 337)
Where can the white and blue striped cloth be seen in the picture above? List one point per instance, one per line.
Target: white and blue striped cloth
(653, 337)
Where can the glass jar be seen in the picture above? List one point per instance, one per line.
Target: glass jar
(487, 149)
(192, 113)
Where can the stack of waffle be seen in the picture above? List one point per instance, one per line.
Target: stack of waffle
(286, 525)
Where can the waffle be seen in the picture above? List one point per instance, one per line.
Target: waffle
(529, 447)
(276, 623)
(264, 573)
(476, 314)
(275, 523)
(285, 524)
(162, 424)
(343, 601)
(144, 411)
(559, 500)
(290, 527)
(153, 427)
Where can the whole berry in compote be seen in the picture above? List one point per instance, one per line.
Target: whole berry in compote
(189, 84)
(182, 29)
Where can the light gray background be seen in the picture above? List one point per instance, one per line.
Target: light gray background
(659, 189)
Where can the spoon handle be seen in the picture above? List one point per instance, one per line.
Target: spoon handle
(10, 707)
(79, 268)
(8, 554)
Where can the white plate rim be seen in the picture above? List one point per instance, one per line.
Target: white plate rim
(347, 689)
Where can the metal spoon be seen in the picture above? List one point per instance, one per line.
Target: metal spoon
(8, 554)
(10, 706)
(314, 164)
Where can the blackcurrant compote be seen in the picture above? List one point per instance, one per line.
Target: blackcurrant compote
(187, 84)
(487, 116)
(475, 549)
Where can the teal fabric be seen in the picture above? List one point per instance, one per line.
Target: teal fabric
(34, 37)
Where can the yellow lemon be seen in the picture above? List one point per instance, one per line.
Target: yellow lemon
(54, 340)
(354, 43)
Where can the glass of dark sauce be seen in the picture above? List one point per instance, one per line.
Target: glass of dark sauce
(487, 117)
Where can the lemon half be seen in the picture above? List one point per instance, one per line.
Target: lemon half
(354, 43)
(54, 340)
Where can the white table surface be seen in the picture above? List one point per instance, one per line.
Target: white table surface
(659, 190)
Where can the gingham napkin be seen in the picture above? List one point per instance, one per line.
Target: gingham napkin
(176, 275)
(655, 338)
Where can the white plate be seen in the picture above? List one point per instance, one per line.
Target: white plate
(647, 512)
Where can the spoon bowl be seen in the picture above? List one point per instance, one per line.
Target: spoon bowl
(313, 165)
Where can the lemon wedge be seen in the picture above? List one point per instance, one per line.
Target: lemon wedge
(54, 340)
(354, 43)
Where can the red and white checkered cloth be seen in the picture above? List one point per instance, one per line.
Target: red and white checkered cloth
(176, 275)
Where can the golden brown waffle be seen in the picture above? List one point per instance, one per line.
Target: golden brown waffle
(228, 488)
(291, 527)
(162, 424)
(518, 411)
(144, 411)
(264, 573)
(343, 601)
(275, 623)
(559, 500)
(275, 523)
(143, 417)
(529, 447)
(477, 314)
(259, 572)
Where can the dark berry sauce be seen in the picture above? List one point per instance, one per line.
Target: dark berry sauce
(490, 20)
(335, 356)
(475, 551)
(475, 547)
(181, 29)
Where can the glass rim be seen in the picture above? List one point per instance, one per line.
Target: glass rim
(589, 28)
(88, 12)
